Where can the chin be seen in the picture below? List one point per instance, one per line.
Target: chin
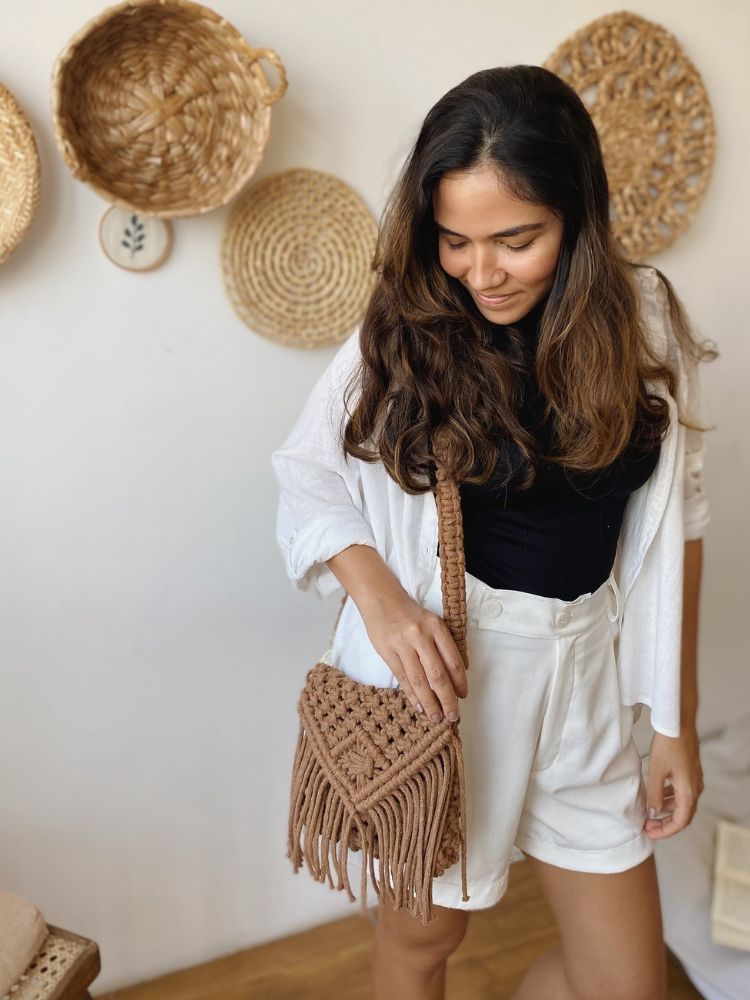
(501, 319)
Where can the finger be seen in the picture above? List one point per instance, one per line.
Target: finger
(654, 792)
(684, 806)
(397, 669)
(403, 682)
(425, 658)
(656, 817)
(439, 677)
(683, 812)
(452, 659)
(420, 684)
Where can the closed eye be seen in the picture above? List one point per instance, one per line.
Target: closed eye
(458, 246)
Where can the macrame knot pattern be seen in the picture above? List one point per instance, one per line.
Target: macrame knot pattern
(372, 775)
(358, 757)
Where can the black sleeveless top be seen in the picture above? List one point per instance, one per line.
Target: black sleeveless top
(558, 538)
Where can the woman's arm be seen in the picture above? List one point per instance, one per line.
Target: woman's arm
(318, 514)
(414, 642)
(366, 577)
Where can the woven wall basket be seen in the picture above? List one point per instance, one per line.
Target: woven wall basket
(654, 121)
(296, 258)
(19, 174)
(162, 106)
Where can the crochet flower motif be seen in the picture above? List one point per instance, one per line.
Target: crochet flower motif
(358, 758)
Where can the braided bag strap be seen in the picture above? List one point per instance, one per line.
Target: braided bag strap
(452, 557)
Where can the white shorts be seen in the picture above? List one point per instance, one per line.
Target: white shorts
(550, 762)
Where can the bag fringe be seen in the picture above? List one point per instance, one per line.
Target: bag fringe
(403, 829)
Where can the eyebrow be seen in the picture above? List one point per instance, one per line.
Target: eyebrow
(515, 231)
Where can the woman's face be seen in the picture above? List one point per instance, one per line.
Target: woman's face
(494, 244)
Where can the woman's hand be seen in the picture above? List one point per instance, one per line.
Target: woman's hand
(674, 761)
(418, 647)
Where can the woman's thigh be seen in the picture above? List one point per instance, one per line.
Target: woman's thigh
(610, 928)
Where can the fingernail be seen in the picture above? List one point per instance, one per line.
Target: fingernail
(436, 716)
(453, 716)
(652, 812)
(419, 707)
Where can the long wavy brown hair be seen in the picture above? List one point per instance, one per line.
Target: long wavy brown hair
(430, 364)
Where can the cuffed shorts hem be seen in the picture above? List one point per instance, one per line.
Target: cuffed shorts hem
(482, 894)
(604, 861)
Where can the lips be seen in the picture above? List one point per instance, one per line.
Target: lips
(494, 299)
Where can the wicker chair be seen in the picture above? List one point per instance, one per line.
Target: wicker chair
(40, 961)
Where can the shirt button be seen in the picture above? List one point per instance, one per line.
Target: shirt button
(493, 607)
(562, 619)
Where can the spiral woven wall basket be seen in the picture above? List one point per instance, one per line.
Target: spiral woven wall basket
(654, 121)
(296, 258)
(163, 107)
(19, 174)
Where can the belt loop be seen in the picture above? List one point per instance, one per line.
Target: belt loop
(618, 599)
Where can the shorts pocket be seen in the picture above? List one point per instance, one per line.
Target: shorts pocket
(626, 724)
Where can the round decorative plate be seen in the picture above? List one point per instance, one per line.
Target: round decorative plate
(19, 174)
(654, 120)
(134, 241)
(296, 258)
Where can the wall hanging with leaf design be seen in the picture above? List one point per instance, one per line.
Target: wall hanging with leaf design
(134, 241)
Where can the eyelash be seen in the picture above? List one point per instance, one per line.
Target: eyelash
(458, 246)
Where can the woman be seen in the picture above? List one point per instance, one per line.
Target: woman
(506, 315)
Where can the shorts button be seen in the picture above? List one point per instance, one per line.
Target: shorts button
(562, 619)
(493, 607)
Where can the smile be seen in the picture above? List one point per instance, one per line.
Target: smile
(494, 300)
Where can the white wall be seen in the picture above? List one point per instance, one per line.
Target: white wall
(152, 648)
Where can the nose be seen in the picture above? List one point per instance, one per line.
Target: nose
(484, 275)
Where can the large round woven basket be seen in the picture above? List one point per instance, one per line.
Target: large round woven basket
(296, 256)
(19, 174)
(654, 121)
(162, 106)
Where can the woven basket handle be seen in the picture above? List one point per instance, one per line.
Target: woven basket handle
(452, 558)
(275, 94)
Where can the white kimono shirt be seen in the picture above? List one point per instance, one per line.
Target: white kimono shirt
(327, 504)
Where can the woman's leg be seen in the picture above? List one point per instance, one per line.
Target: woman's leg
(409, 957)
(612, 942)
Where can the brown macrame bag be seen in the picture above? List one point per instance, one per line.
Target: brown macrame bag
(372, 774)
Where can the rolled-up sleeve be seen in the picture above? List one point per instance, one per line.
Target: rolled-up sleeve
(319, 514)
